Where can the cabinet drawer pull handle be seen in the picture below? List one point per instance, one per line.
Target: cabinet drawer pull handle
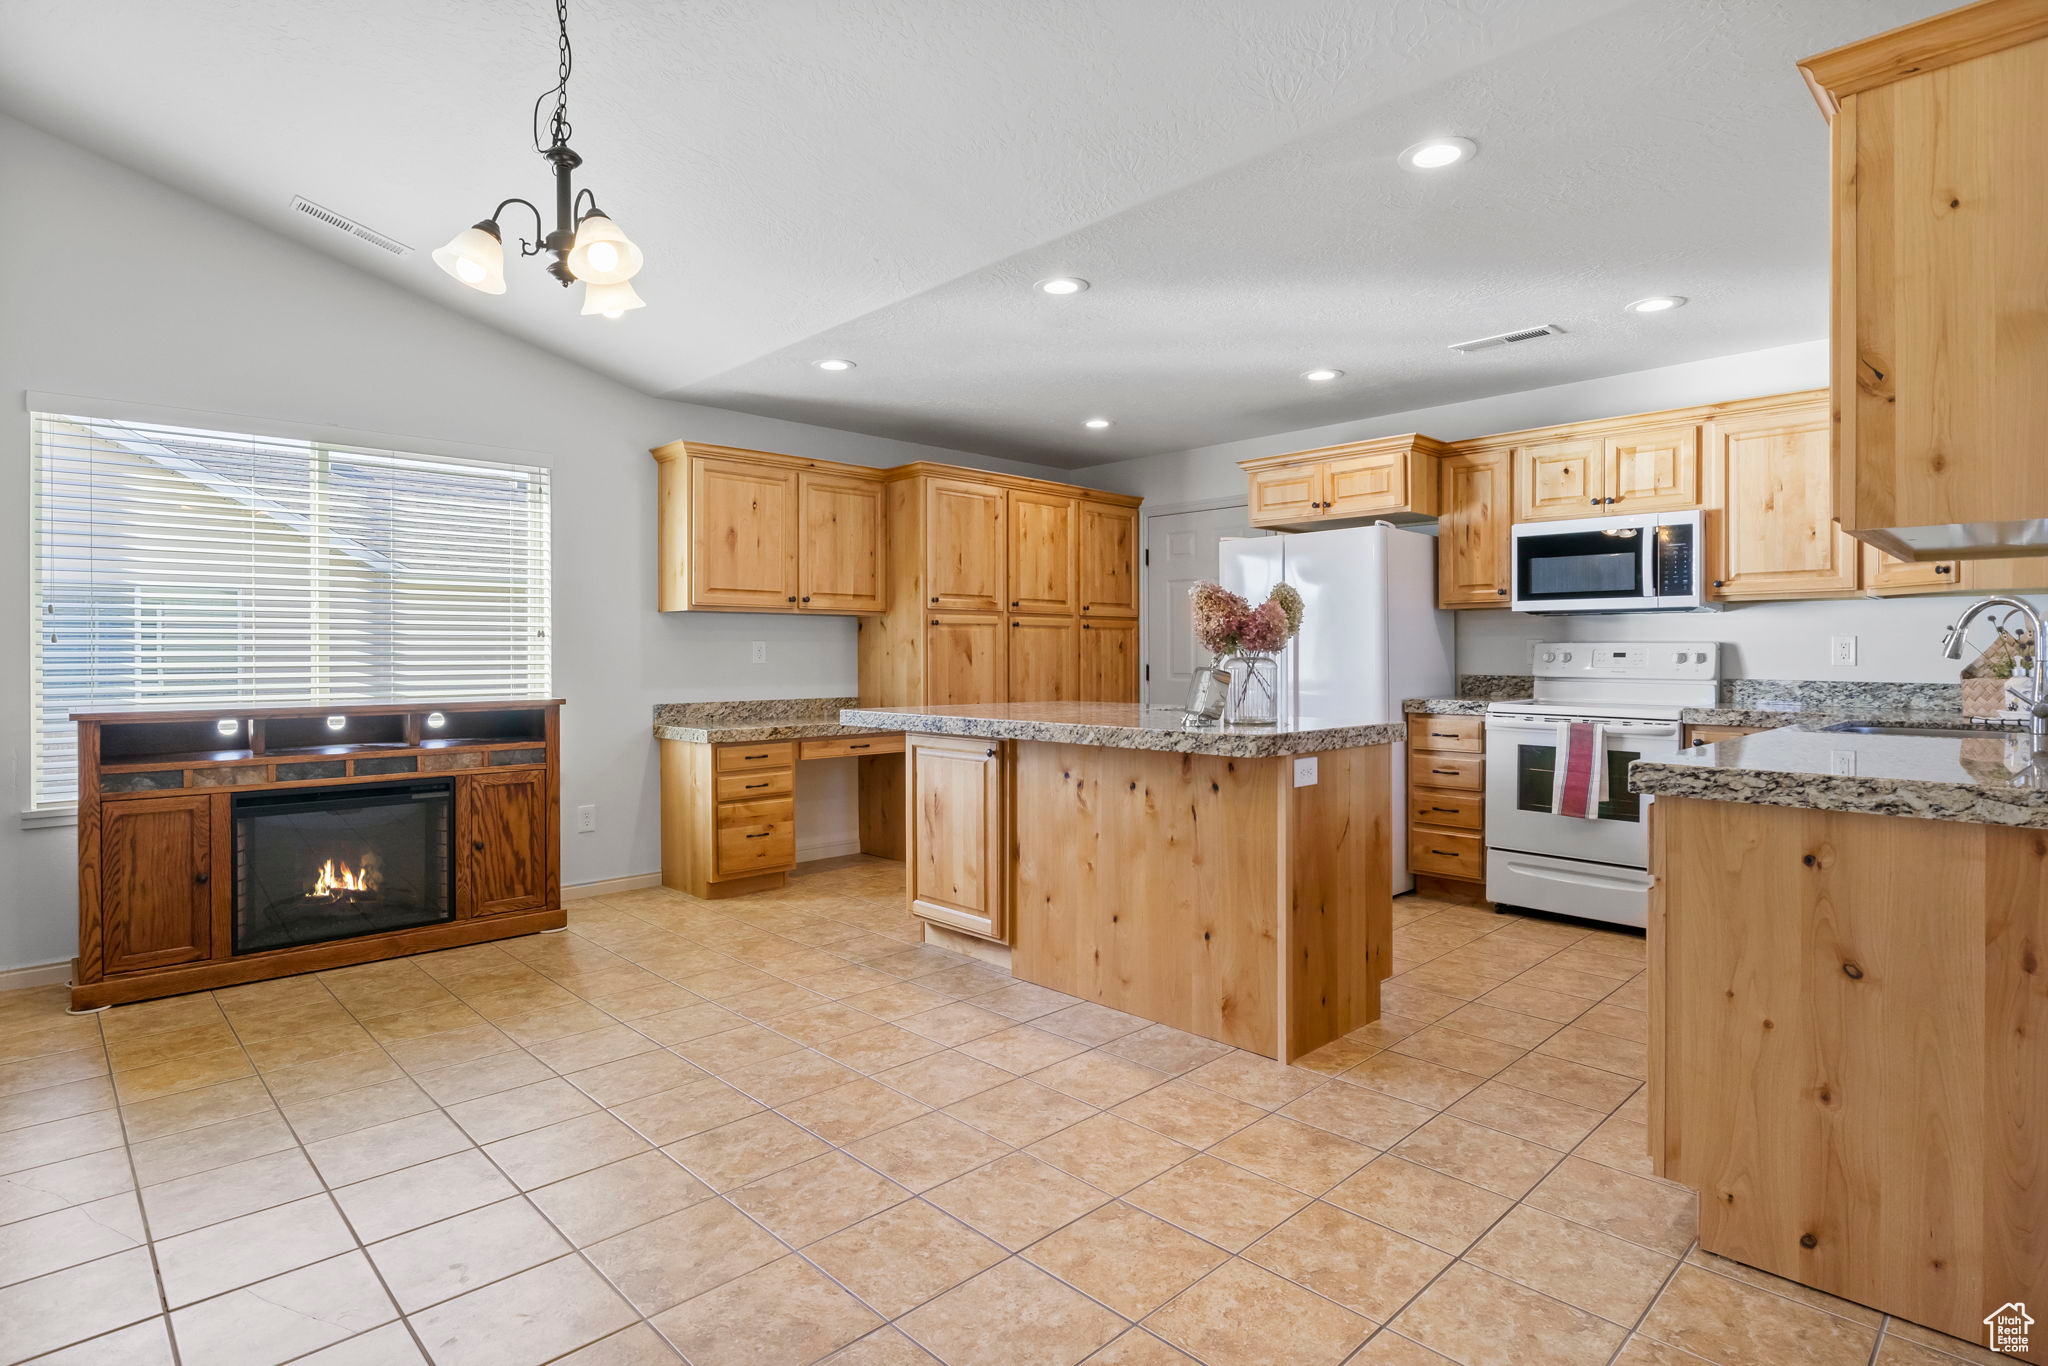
(751, 786)
(1445, 853)
(201, 878)
(860, 746)
(753, 756)
(1443, 770)
(1448, 810)
(762, 836)
(1444, 734)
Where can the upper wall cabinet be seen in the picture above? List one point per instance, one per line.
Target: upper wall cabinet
(964, 544)
(1940, 192)
(1771, 529)
(1391, 478)
(1611, 474)
(750, 531)
(1109, 559)
(1473, 568)
(1041, 551)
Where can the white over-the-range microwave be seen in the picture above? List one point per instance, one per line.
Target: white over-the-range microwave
(1651, 562)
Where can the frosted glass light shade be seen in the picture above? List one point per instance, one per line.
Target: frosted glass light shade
(611, 300)
(476, 257)
(602, 255)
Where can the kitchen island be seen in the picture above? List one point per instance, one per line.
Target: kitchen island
(1848, 981)
(1233, 883)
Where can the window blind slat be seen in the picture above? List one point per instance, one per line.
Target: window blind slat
(176, 566)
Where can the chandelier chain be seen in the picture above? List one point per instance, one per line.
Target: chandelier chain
(558, 125)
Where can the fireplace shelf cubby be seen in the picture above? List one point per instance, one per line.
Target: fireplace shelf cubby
(236, 844)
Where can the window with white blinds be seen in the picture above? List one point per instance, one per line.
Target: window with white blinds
(176, 567)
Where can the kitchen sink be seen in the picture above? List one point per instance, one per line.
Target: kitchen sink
(1932, 732)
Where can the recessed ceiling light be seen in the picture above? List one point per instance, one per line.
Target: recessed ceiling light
(1062, 284)
(834, 364)
(1433, 154)
(1657, 303)
(1322, 376)
(1097, 423)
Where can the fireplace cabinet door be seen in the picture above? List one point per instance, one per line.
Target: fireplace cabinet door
(156, 881)
(502, 844)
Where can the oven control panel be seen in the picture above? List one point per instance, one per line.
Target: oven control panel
(1640, 660)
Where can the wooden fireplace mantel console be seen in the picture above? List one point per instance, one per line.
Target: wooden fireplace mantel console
(157, 831)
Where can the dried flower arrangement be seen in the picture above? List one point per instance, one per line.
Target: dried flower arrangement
(1226, 624)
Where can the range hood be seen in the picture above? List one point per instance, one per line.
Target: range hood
(1960, 540)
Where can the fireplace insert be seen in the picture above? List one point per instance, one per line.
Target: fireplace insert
(314, 864)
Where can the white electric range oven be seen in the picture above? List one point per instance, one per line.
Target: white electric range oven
(1595, 867)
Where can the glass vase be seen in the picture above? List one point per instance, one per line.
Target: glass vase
(1208, 694)
(1254, 690)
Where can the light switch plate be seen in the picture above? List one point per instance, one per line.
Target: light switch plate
(1305, 771)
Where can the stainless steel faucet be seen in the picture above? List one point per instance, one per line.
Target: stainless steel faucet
(2037, 704)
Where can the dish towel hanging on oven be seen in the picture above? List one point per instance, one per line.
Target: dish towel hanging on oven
(1580, 782)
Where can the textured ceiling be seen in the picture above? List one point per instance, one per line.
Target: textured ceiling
(883, 180)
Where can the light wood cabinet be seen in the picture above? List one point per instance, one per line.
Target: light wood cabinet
(965, 659)
(1447, 797)
(502, 817)
(957, 856)
(1651, 471)
(1109, 660)
(155, 881)
(963, 546)
(1771, 529)
(751, 531)
(1557, 479)
(743, 535)
(1109, 559)
(840, 563)
(1044, 659)
(1474, 567)
(1886, 577)
(1695, 736)
(1042, 550)
(1391, 477)
(1940, 190)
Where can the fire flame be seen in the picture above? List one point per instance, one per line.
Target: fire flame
(332, 882)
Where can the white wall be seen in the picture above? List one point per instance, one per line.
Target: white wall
(1898, 640)
(126, 290)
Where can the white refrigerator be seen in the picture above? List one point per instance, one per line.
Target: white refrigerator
(1371, 633)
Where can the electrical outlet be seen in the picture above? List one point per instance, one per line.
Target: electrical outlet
(1305, 771)
(586, 818)
(760, 655)
(1842, 761)
(1842, 651)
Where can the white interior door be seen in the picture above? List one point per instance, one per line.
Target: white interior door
(1181, 552)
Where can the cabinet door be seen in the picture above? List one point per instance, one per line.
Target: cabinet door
(502, 844)
(1044, 659)
(1041, 552)
(1289, 494)
(1109, 660)
(1885, 577)
(1472, 552)
(743, 535)
(1557, 479)
(963, 659)
(1774, 534)
(1359, 485)
(156, 881)
(963, 546)
(1109, 560)
(842, 568)
(1651, 471)
(957, 856)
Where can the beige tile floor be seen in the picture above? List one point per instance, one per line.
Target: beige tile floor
(775, 1130)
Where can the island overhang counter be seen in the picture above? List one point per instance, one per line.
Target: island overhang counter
(1232, 882)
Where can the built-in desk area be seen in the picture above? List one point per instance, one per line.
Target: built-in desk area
(728, 788)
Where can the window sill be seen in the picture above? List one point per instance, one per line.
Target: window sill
(49, 816)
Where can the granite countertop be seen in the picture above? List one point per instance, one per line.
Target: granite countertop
(1123, 725)
(756, 721)
(1988, 779)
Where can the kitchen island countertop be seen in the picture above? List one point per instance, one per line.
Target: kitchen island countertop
(1124, 725)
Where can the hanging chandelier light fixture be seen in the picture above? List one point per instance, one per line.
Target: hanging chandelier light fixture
(586, 244)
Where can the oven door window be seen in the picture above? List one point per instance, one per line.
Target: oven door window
(1565, 565)
(1536, 778)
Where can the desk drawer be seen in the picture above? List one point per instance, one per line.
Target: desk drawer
(1465, 772)
(755, 837)
(852, 746)
(1446, 853)
(754, 784)
(1440, 806)
(739, 758)
(1461, 734)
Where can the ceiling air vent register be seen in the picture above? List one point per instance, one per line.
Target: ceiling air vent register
(349, 226)
(1504, 338)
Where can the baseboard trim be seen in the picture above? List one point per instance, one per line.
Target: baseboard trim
(811, 853)
(35, 975)
(581, 891)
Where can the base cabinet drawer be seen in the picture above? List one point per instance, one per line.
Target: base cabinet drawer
(756, 837)
(754, 784)
(1440, 806)
(1459, 734)
(852, 747)
(737, 758)
(1463, 772)
(1446, 853)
